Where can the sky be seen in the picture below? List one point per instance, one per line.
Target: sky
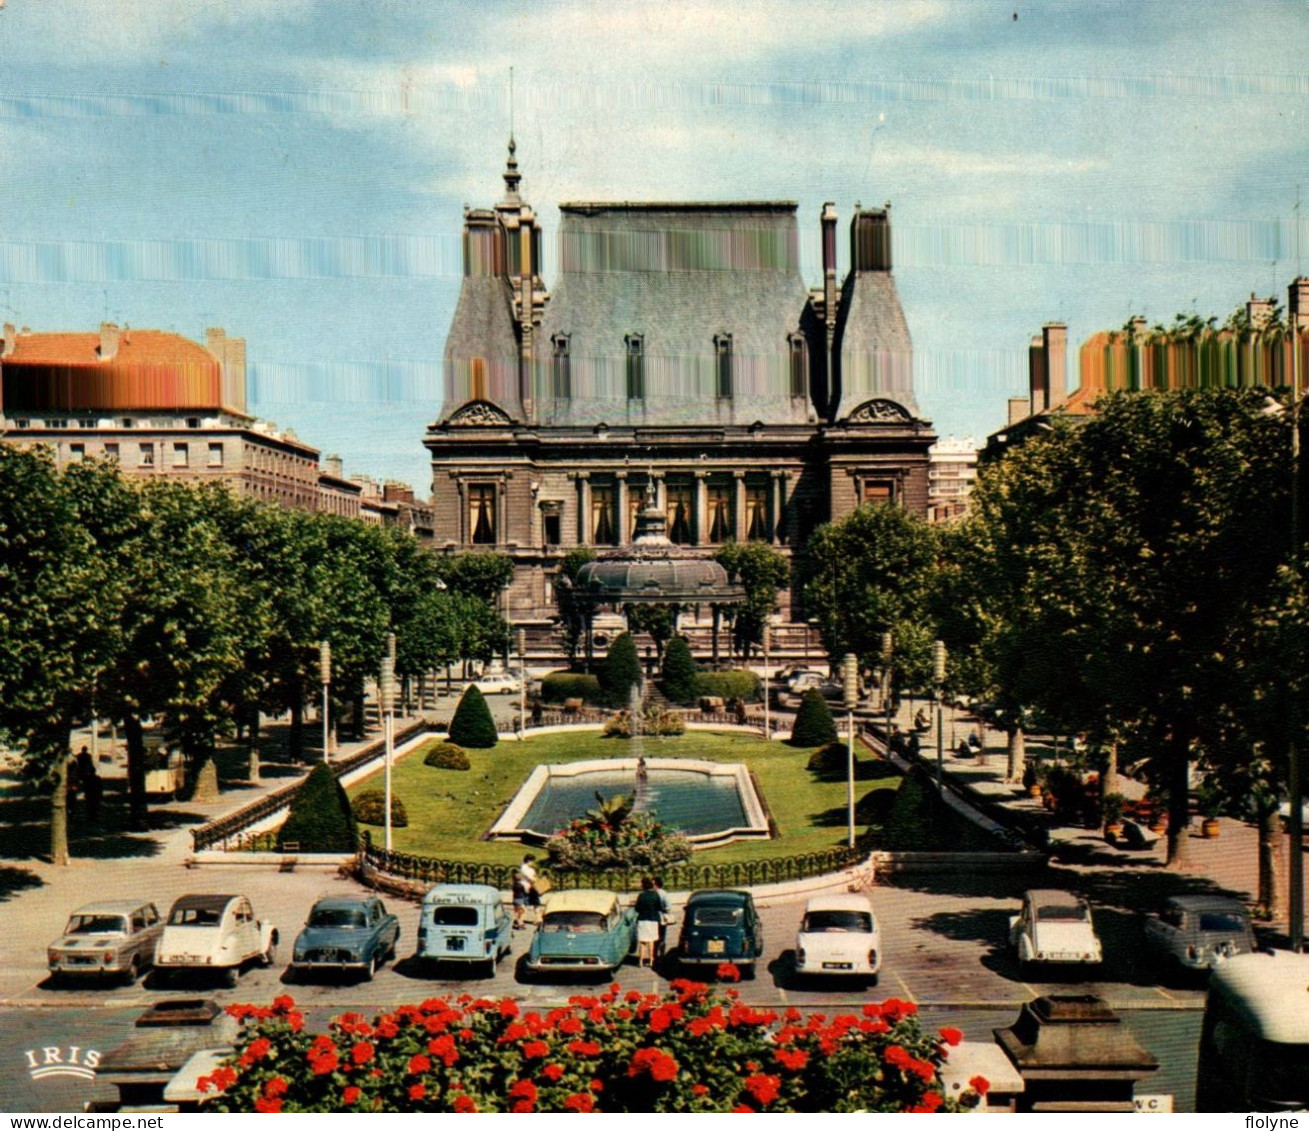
(296, 170)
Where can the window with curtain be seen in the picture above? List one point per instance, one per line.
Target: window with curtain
(878, 491)
(603, 527)
(680, 508)
(720, 512)
(481, 513)
(756, 513)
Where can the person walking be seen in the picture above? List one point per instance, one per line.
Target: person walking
(525, 896)
(649, 910)
(665, 915)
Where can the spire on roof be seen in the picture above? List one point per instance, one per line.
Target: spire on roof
(511, 174)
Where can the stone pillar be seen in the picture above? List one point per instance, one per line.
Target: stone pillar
(624, 518)
(661, 495)
(775, 515)
(584, 508)
(738, 505)
(701, 507)
(465, 535)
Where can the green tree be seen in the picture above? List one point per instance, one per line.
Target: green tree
(658, 621)
(472, 726)
(763, 572)
(320, 818)
(476, 574)
(679, 671)
(621, 670)
(813, 724)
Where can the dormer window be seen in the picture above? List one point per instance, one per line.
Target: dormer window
(193, 422)
(125, 422)
(86, 422)
(635, 367)
(561, 377)
(723, 365)
(799, 367)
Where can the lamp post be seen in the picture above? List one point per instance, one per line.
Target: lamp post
(386, 700)
(520, 640)
(768, 730)
(1294, 784)
(888, 649)
(325, 677)
(938, 688)
(850, 695)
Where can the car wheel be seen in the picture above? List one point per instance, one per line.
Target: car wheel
(871, 981)
(133, 971)
(372, 967)
(747, 971)
(269, 957)
(231, 976)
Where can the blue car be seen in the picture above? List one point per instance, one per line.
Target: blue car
(464, 923)
(721, 926)
(582, 931)
(345, 933)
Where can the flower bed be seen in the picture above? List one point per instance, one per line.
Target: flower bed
(692, 1049)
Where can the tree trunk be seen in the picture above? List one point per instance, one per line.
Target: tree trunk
(1179, 809)
(59, 811)
(1270, 842)
(1017, 755)
(1110, 783)
(295, 739)
(136, 805)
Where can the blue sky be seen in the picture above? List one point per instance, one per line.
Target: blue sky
(295, 170)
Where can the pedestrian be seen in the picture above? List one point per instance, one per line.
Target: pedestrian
(964, 749)
(94, 790)
(649, 910)
(665, 914)
(525, 896)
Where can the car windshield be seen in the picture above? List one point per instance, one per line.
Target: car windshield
(837, 921)
(1063, 913)
(96, 925)
(454, 916)
(1221, 921)
(574, 922)
(717, 916)
(337, 917)
(195, 917)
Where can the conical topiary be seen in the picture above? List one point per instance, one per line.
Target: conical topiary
(620, 670)
(813, 724)
(679, 671)
(472, 725)
(320, 819)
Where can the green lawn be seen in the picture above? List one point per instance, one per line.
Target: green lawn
(450, 810)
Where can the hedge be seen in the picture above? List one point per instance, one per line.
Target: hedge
(679, 672)
(813, 724)
(320, 819)
(370, 809)
(447, 756)
(728, 685)
(560, 686)
(620, 670)
(472, 724)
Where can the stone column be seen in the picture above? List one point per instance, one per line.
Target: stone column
(584, 507)
(661, 495)
(775, 516)
(465, 535)
(738, 506)
(701, 507)
(624, 519)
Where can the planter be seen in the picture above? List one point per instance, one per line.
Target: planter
(1209, 828)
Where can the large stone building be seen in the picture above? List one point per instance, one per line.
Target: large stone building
(679, 347)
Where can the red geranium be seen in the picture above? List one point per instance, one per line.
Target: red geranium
(417, 1092)
(418, 1065)
(552, 1071)
(350, 1095)
(580, 1101)
(267, 1107)
(951, 1036)
(765, 1089)
(463, 1104)
(980, 1084)
(361, 1052)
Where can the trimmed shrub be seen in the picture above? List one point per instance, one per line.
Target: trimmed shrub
(813, 724)
(447, 756)
(559, 686)
(654, 723)
(472, 724)
(620, 670)
(874, 807)
(729, 685)
(830, 759)
(679, 672)
(370, 809)
(320, 819)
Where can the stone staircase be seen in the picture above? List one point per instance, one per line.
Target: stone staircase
(654, 698)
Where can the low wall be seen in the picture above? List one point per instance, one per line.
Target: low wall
(960, 863)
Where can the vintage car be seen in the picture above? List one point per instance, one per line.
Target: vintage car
(839, 936)
(582, 930)
(214, 932)
(353, 933)
(112, 939)
(718, 927)
(1197, 932)
(1054, 928)
(464, 923)
(498, 681)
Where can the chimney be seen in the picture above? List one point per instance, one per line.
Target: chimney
(1037, 377)
(108, 341)
(10, 342)
(333, 466)
(1055, 346)
(394, 492)
(870, 240)
(1139, 325)
(1259, 311)
(1297, 303)
(1019, 407)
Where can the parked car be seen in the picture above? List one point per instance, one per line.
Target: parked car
(799, 680)
(582, 930)
(1054, 928)
(352, 933)
(215, 932)
(111, 939)
(464, 923)
(498, 681)
(1197, 932)
(721, 926)
(839, 936)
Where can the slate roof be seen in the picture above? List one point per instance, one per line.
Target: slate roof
(871, 325)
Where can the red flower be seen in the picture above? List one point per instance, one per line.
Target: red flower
(322, 1063)
(596, 1086)
(728, 972)
(418, 1065)
(464, 1104)
(931, 1101)
(523, 1090)
(350, 1095)
(552, 1071)
(417, 1092)
(951, 1036)
(897, 1057)
(660, 1019)
(267, 1106)
(259, 1048)
(282, 1003)
(275, 1087)
(763, 1088)
(508, 1008)
(444, 1047)
(534, 1050)
(580, 1101)
(793, 1059)
(923, 1069)
(980, 1084)
(362, 1052)
(584, 1048)
(699, 1089)
(656, 1062)
(744, 1109)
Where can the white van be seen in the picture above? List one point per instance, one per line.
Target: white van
(1254, 1047)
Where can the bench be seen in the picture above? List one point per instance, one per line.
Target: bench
(711, 703)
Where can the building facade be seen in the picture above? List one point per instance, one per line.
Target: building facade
(951, 473)
(679, 352)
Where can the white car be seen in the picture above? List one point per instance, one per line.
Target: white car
(214, 932)
(839, 936)
(499, 682)
(1054, 928)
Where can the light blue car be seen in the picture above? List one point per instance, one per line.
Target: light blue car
(464, 923)
(582, 931)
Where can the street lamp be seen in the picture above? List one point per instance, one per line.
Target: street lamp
(1294, 784)
(938, 686)
(520, 639)
(850, 695)
(386, 701)
(325, 676)
(888, 652)
(767, 634)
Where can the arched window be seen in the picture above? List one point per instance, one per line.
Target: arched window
(561, 376)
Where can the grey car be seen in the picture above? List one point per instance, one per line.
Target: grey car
(111, 939)
(352, 933)
(1197, 932)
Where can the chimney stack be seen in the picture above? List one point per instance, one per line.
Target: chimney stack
(870, 240)
(10, 342)
(1054, 337)
(1037, 378)
(395, 492)
(333, 466)
(1297, 303)
(108, 341)
(1258, 311)
(1019, 408)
